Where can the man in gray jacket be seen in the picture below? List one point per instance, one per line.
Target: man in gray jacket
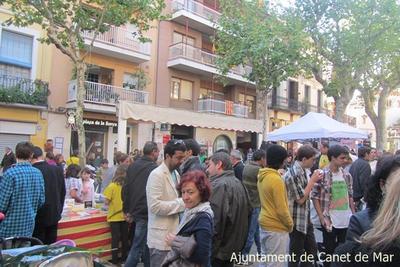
(231, 206)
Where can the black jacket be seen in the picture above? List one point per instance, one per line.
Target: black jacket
(352, 251)
(231, 206)
(54, 186)
(360, 222)
(238, 168)
(360, 170)
(8, 161)
(134, 189)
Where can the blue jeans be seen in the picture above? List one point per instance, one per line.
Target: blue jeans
(139, 246)
(254, 233)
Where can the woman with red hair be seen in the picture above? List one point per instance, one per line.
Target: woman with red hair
(197, 223)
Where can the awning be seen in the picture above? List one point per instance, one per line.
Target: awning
(143, 112)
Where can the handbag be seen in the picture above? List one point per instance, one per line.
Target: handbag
(182, 248)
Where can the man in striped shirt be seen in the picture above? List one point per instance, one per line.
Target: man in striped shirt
(298, 188)
(21, 194)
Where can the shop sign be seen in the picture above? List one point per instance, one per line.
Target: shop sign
(100, 123)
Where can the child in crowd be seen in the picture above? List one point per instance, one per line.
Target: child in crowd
(119, 227)
(50, 158)
(73, 185)
(87, 186)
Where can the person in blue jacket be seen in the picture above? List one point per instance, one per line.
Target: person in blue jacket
(196, 220)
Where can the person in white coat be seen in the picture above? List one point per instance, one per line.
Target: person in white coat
(163, 201)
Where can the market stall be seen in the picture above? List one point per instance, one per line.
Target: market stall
(89, 229)
(315, 125)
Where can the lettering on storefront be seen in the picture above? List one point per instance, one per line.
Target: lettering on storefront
(100, 123)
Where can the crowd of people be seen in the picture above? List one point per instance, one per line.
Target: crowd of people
(189, 210)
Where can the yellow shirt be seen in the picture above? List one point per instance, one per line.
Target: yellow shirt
(323, 161)
(113, 194)
(275, 215)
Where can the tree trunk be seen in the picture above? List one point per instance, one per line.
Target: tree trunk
(380, 126)
(262, 110)
(340, 107)
(80, 97)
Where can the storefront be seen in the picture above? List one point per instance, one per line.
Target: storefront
(212, 131)
(100, 140)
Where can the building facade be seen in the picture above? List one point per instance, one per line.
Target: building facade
(24, 76)
(134, 92)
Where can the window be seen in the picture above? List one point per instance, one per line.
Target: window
(92, 77)
(15, 54)
(208, 93)
(249, 101)
(181, 89)
(181, 38)
(130, 81)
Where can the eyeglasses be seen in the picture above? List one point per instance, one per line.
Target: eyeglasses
(177, 141)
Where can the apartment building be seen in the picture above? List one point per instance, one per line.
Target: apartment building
(294, 98)
(24, 76)
(136, 92)
(119, 69)
(190, 100)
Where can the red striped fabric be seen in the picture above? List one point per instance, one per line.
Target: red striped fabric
(82, 234)
(82, 222)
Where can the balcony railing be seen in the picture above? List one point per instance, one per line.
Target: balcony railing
(196, 54)
(196, 8)
(222, 107)
(107, 94)
(284, 103)
(24, 91)
(295, 105)
(120, 37)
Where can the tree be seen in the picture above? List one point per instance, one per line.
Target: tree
(64, 22)
(273, 44)
(327, 23)
(375, 31)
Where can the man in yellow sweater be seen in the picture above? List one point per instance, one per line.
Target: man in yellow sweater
(275, 220)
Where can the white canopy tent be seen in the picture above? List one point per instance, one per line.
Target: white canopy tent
(316, 125)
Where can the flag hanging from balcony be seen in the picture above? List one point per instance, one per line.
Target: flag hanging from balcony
(228, 107)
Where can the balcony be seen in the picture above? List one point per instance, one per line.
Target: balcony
(210, 105)
(295, 106)
(286, 104)
(192, 59)
(198, 16)
(15, 90)
(319, 109)
(119, 43)
(103, 97)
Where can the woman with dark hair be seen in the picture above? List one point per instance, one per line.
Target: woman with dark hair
(361, 221)
(197, 222)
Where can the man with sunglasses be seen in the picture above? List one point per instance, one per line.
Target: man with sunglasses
(163, 201)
